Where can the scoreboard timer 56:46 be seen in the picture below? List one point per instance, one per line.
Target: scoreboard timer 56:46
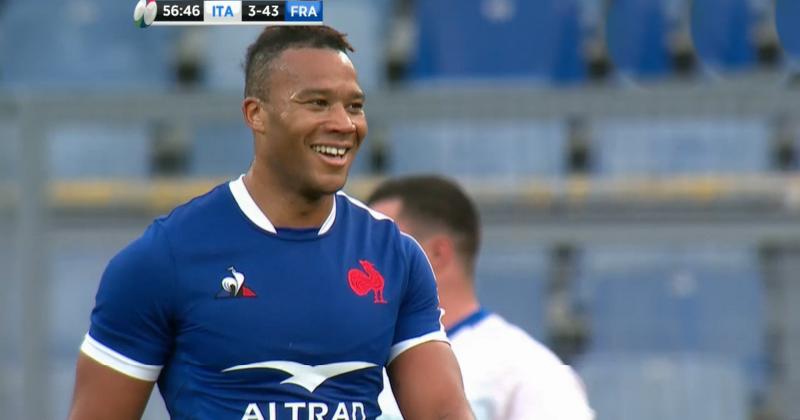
(227, 12)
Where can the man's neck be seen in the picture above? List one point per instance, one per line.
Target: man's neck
(283, 207)
(458, 304)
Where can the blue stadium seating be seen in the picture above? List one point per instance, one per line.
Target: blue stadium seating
(682, 146)
(689, 300)
(220, 150)
(721, 30)
(636, 32)
(499, 149)
(86, 44)
(79, 150)
(84, 150)
(512, 282)
(491, 39)
(224, 49)
(787, 16)
(653, 386)
(365, 23)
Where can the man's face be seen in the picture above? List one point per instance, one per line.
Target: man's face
(315, 120)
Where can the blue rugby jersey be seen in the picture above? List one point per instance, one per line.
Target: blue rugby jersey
(238, 319)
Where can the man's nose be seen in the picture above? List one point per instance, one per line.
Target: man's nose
(340, 119)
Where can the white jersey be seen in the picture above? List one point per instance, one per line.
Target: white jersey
(508, 375)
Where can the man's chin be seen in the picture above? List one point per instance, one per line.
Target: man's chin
(330, 184)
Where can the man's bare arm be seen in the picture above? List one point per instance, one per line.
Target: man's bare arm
(426, 382)
(102, 393)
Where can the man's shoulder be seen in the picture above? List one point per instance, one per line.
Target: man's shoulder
(359, 210)
(380, 227)
(155, 246)
(510, 340)
(363, 216)
(201, 209)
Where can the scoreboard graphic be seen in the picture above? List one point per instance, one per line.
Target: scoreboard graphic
(226, 12)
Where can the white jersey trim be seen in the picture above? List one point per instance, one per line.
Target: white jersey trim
(402, 346)
(375, 214)
(108, 357)
(422, 250)
(329, 221)
(248, 206)
(250, 209)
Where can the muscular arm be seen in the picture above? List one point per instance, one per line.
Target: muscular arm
(426, 382)
(103, 393)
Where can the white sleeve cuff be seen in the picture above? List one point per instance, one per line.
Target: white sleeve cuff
(108, 357)
(411, 342)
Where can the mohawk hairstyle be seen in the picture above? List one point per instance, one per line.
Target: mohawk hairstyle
(276, 39)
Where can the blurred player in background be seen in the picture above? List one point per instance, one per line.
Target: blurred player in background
(274, 296)
(507, 374)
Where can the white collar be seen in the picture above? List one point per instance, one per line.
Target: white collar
(251, 210)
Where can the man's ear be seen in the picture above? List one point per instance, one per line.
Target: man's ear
(441, 251)
(253, 115)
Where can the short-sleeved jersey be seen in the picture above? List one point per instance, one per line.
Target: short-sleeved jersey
(508, 375)
(238, 319)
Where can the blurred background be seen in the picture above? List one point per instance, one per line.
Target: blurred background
(635, 162)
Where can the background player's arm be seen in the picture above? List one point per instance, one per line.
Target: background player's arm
(426, 382)
(103, 393)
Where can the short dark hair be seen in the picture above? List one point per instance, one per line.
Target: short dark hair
(438, 201)
(276, 39)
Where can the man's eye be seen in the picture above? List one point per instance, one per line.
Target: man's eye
(357, 107)
(319, 102)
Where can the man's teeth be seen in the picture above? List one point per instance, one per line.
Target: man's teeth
(328, 150)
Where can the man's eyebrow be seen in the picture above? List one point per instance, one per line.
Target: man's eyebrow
(324, 92)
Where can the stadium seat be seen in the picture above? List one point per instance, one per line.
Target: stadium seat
(512, 282)
(365, 23)
(636, 32)
(787, 15)
(700, 300)
(721, 30)
(652, 386)
(499, 149)
(684, 146)
(220, 150)
(85, 150)
(224, 49)
(497, 39)
(83, 44)
(100, 151)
